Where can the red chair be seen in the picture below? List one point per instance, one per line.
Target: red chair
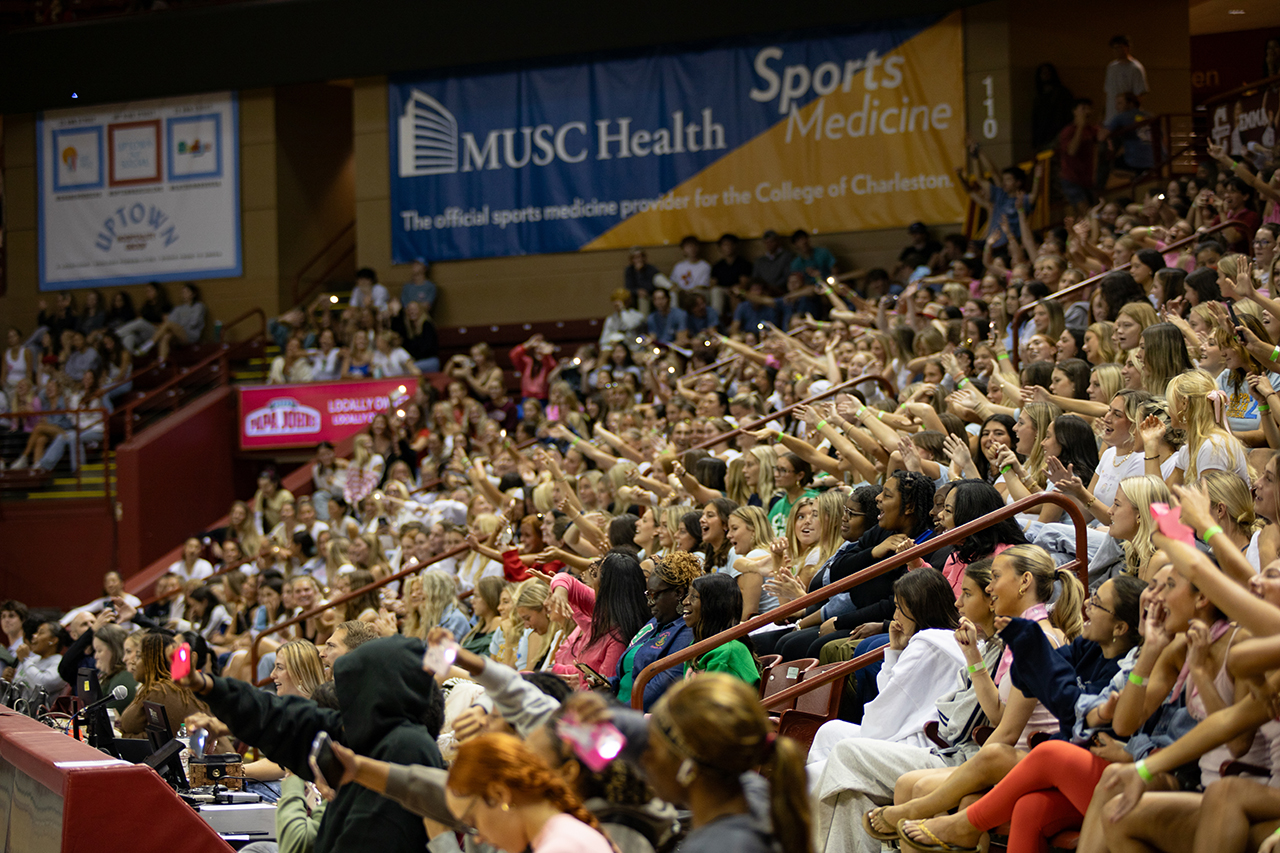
(782, 676)
(767, 663)
(812, 709)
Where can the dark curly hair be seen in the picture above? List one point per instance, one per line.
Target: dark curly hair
(916, 491)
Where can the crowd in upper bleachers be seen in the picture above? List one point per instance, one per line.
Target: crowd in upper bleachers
(657, 488)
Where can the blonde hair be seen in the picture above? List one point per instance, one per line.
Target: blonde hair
(1189, 400)
(533, 595)
(302, 661)
(758, 522)
(828, 525)
(1142, 492)
(474, 562)
(1068, 612)
(1103, 330)
(1110, 380)
(1141, 313)
(738, 489)
(1228, 489)
(438, 591)
(1041, 416)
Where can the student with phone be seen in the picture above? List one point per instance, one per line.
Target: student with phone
(384, 697)
(157, 684)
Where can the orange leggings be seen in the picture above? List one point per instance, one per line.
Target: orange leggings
(1047, 792)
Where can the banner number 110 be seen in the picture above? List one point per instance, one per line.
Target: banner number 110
(989, 126)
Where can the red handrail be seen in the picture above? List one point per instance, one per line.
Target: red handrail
(106, 447)
(314, 259)
(221, 354)
(1239, 90)
(217, 573)
(342, 599)
(772, 416)
(958, 534)
(1056, 296)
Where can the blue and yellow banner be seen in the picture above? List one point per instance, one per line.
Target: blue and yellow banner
(846, 132)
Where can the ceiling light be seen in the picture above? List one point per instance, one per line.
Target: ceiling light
(1235, 11)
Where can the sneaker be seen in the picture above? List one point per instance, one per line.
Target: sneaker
(19, 464)
(146, 348)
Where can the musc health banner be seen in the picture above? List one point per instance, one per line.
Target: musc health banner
(841, 133)
(273, 416)
(146, 191)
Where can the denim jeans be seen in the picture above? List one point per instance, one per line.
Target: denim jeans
(67, 439)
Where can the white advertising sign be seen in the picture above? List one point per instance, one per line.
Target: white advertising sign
(145, 191)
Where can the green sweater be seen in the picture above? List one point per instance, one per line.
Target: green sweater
(296, 827)
(733, 657)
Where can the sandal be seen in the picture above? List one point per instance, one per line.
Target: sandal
(938, 845)
(872, 831)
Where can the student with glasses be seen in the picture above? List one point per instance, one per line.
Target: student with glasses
(664, 634)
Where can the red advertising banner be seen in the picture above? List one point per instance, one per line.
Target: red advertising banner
(279, 416)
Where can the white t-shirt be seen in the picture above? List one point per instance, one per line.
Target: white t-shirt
(379, 293)
(1111, 471)
(1218, 453)
(393, 363)
(201, 570)
(767, 601)
(689, 275)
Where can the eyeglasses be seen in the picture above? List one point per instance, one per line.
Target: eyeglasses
(849, 513)
(1096, 604)
(653, 594)
(777, 469)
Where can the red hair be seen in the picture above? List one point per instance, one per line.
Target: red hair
(490, 760)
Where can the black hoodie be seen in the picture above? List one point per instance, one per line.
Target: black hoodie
(384, 694)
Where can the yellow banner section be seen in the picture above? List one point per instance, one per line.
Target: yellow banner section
(878, 156)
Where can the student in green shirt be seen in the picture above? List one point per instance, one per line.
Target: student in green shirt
(791, 475)
(714, 604)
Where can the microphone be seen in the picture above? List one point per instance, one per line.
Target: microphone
(114, 696)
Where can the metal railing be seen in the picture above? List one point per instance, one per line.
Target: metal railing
(254, 654)
(958, 534)
(1021, 314)
(773, 416)
(299, 294)
(128, 412)
(75, 416)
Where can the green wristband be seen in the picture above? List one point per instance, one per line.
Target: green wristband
(821, 424)
(963, 382)
(1145, 774)
(977, 667)
(1005, 470)
(1211, 532)
(1134, 678)
(1002, 356)
(1263, 407)
(1275, 353)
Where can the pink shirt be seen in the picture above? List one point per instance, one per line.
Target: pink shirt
(953, 569)
(603, 655)
(564, 833)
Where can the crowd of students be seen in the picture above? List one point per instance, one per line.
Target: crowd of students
(657, 490)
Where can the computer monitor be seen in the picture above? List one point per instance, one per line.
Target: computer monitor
(158, 731)
(167, 761)
(97, 722)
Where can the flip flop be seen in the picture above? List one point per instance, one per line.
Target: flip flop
(938, 845)
(872, 831)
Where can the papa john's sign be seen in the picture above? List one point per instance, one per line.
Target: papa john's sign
(278, 416)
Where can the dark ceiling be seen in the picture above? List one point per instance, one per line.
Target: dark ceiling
(271, 42)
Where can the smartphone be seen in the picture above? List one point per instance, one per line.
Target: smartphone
(439, 657)
(593, 678)
(324, 762)
(1235, 321)
(180, 663)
